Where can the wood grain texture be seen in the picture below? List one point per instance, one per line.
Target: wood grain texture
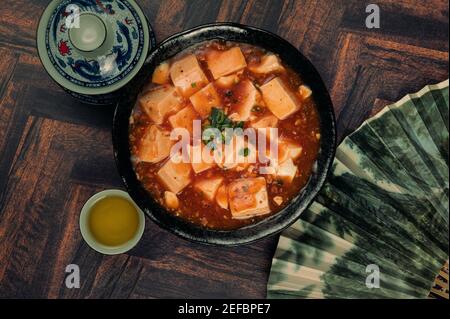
(55, 152)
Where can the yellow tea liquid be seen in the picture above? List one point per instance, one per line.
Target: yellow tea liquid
(113, 221)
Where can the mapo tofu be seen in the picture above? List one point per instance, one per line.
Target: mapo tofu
(252, 134)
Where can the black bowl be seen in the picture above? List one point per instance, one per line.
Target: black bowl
(239, 33)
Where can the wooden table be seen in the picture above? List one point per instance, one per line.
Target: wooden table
(55, 152)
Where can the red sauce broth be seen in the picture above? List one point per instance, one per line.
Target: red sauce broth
(302, 127)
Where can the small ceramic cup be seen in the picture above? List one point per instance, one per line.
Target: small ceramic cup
(89, 238)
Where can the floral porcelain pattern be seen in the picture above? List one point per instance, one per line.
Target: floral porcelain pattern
(115, 61)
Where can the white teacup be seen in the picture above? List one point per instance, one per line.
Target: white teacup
(92, 241)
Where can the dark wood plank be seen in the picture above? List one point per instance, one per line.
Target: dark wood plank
(419, 23)
(55, 152)
(18, 24)
(367, 68)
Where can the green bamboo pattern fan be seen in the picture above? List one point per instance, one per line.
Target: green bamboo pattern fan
(384, 203)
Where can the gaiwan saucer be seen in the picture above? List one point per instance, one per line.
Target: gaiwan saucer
(92, 48)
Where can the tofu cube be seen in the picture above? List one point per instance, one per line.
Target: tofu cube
(237, 154)
(286, 149)
(282, 154)
(268, 139)
(201, 158)
(205, 99)
(222, 63)
(209, 186)
(279, 99)
(269, 63)
(248, 198)
(187, 75)
(226, 82)
(154, 145)
(184, 119)
(159, 102)
(175, 174)
(304, 91)
(268, 120)
(247, 97)
(286, 171)
(278, 200)
(161, 74)
(222, 196)
(171, 200)
(271, 133)
(294, 149)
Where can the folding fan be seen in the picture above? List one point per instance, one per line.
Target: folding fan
(385, 203)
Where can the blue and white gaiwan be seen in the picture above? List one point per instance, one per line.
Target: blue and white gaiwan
(92, 48)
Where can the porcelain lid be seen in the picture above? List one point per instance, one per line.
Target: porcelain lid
(93, 46)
